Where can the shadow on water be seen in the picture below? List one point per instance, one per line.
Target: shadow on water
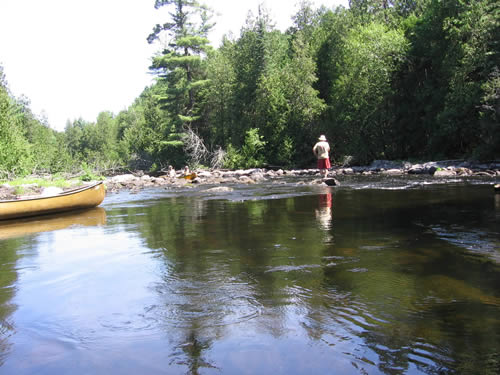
(389, 277)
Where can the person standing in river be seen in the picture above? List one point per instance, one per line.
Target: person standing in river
(321, 150)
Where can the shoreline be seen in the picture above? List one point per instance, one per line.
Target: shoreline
(138, 180)
(439, 169)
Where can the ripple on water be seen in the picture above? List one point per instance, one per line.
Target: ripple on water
(136, 323)
(475, 241)
(208, 304)
(292, 268)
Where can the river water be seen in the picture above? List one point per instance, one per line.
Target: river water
(377, 276)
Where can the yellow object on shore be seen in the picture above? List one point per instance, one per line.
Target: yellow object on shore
(190, 176)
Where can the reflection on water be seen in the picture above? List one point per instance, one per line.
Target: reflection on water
(324, 210)
(283, 280)
(45, 223)
(20, 232)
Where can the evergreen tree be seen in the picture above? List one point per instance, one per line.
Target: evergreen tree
(362, 96)
(15, 150)
(220, 106)
(180, 64)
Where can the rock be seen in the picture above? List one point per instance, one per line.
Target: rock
(271, 173)
(392, 172)
(378, 165)
(331, 182)
(7, 192)
(124, 178)
(462, 171)
(221, 189)
(446, 168)
(445, 173)
(416, 169)
(257, 176)
(360, 169)
(205, 174)
(432, 169)
(347, 171)
(51, 191)
(317, 182)
(230, 180)
(246, 180)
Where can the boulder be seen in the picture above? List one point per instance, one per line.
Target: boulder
(331, 182)
(246, 180)
(205, 174)
(221, 189)
(347, 171)
(462, 171)
(385, 165)
(444, 173)
(257, 176)
(392, 172)
(123, 178)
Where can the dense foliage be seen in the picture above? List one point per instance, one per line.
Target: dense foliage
(383, 79)
(27, 144)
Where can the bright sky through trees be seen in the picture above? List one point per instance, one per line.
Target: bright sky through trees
(74, 59)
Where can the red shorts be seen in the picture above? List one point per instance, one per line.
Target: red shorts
(324, 164)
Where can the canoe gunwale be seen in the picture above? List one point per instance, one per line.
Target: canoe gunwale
(64, 193)
(82, 197)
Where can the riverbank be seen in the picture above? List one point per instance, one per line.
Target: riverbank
(438, 169)
(140, 180)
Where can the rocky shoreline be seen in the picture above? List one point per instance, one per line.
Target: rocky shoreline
(139, 180)
(438, 169)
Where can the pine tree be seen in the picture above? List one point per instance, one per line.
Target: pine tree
(180, 64)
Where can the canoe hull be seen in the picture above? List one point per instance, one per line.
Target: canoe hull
(76, 199)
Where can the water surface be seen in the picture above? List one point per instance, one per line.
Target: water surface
(378, 276)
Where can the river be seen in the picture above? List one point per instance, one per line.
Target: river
(381, 275)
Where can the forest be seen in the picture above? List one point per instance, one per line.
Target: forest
(382, 79)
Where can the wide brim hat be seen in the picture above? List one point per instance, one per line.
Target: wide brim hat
(322, 138)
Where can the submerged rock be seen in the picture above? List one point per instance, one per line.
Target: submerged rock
(220, 189)
(331, 182)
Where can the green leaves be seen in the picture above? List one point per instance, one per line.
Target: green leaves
(182, 65)
(362, 92)
(26, 144)
(382, 79)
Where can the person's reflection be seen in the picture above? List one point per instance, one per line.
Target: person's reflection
(324, 211)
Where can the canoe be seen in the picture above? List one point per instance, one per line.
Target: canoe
(51, 222)
(84, 197)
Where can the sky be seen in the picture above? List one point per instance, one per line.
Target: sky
(74, 59)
